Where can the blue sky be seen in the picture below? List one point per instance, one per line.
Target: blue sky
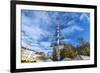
(38, 28)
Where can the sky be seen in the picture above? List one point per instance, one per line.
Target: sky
(38, 28)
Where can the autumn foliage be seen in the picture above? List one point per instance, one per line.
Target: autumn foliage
(68, 52)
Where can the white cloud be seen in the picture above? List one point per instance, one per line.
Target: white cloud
(72, 29)
(39, 18)
(84, 16)
(45, 44)
(35, 32)
(32, 25)
(75, 28)
(72, 22)
(67, 40)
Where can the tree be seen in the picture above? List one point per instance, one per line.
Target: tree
(83, 47)
(69, 51)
